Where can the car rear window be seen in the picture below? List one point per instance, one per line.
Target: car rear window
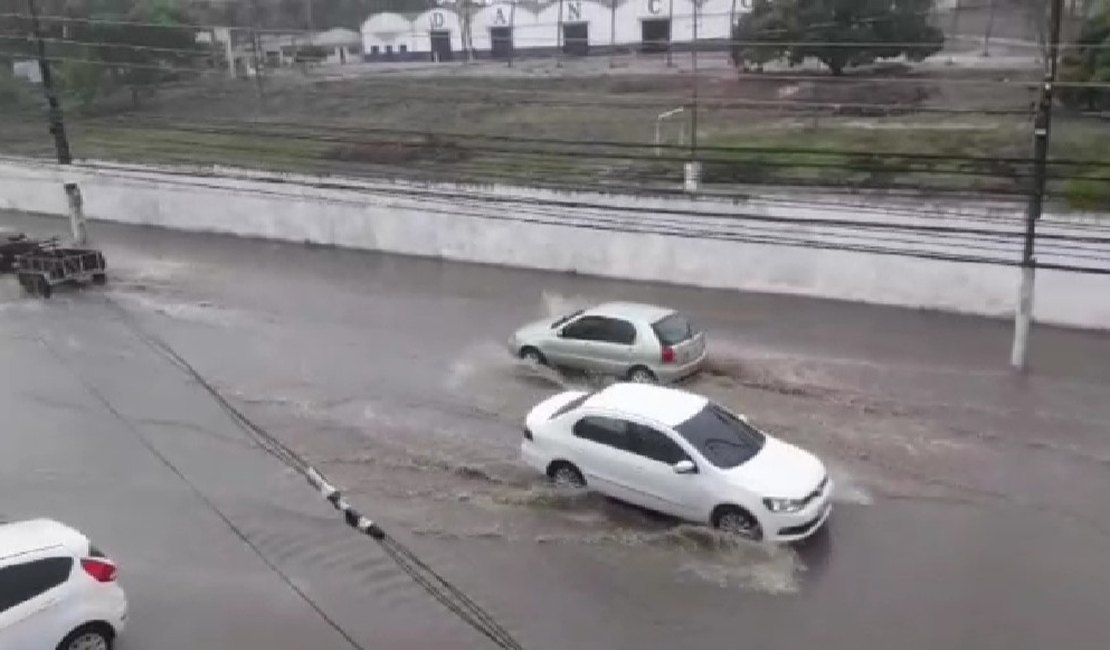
(571, 405)
(673, 329)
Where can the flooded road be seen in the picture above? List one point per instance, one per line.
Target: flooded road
(971, 502)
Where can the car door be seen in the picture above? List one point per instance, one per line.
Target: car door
(572, 344)
(614, 341)
(602, 453)
(31, 607)
(681, 495)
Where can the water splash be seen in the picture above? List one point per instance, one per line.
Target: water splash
(847, 488)
(554, 304)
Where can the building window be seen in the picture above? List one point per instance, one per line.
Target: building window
(389, 49)
(373, 49)
(403, 48)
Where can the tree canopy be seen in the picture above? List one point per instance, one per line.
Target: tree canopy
(839, 33)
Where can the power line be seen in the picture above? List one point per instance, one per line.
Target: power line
(883, 161)
(558, 210)
(433, 583)
(590, 144)
(196, 52)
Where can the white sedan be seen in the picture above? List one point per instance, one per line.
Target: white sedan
(681, 454)
(57, 590)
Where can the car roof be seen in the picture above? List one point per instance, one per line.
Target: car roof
(21, 537)
(667, 406)
(631, 311)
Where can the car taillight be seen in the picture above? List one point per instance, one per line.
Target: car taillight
(527, 433)
(668, 354)
(100, 569)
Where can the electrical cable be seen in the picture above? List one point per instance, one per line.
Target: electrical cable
(422, 574)
(556, 219)
(487, 174)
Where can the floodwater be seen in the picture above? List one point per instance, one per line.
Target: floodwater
(970, 509)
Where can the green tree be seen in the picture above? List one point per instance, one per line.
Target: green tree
(839, 33)
(1088, 62)
(135, 43)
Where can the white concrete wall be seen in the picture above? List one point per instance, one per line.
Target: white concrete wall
(606, 235)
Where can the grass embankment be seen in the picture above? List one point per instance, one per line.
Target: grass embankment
(385, 125)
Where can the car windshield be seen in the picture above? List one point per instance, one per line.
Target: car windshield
(673, 329)
(562, 321)
(724, 439)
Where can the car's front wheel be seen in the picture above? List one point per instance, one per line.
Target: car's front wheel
(642, 375)
(566, 475)
(737, 521)
(532, 355)
(88, 637)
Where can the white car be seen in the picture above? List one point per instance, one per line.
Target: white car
(57, 590)
(681, 454)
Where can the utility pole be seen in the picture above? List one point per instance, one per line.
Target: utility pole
(670, 31)
(612, 33)
(1041, 129)
(989, 29)
(58, 130)
(694, 65)
(259, 63)
(559, 38)
(53, 107)
(693, 168)
(512, 30)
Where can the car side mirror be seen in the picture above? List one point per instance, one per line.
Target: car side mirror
(744, 418)
(686, 466)
(561, 332)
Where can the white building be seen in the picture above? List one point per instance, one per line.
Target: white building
(494, 28)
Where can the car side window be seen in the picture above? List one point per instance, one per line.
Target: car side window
(584, 329)
(655, 445)
(22, 582)
(614, 330)
(605, 431)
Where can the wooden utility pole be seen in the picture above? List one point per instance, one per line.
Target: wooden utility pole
(58, 130)
(694, 64)
(1041, 130)
(53, 106)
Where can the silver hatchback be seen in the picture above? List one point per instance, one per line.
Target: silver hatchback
(641, 343)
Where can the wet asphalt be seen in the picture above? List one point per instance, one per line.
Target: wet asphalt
(971, 507)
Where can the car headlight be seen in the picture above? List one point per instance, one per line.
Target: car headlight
(784, 505)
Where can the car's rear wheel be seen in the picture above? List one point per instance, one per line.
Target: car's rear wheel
(88, 637)
(566, 475)
(642, 375)
(532, 355)
(737, 521)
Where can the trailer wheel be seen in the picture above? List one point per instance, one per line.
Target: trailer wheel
(44, 288)
(99, 278)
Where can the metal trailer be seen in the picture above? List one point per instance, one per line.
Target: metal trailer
(39, 271)
(14, 245)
